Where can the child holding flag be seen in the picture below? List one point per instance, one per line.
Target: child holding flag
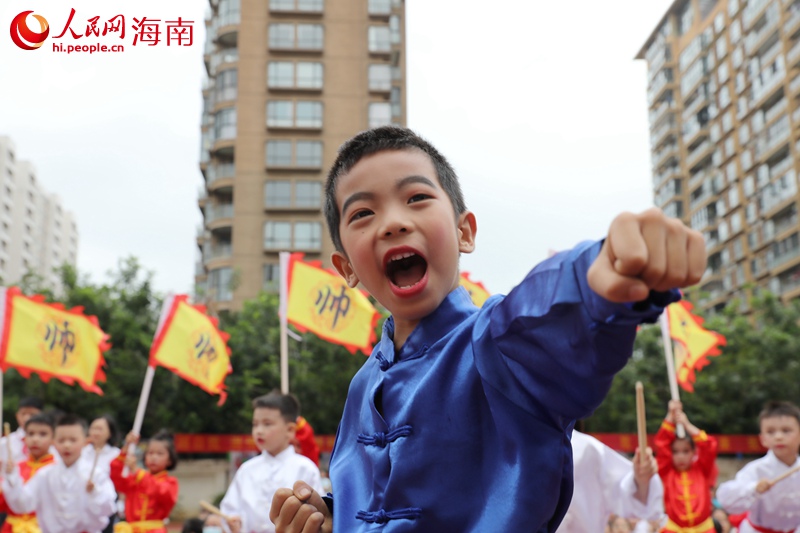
(771, 509)
(65, 495)
(27, 408)
(687, 479)
(38, 439)
(149, 494)
(460, 419)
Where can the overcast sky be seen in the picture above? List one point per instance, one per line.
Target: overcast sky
(538, 105)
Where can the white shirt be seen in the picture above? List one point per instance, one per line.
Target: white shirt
(57, 494)
(19, 452)
(107, 454)
(604, 485)
(778, 508)
(250, 495)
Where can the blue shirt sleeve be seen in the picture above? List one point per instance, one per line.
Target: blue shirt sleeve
(553, 346)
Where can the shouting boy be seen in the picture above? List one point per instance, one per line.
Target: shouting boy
(461, 419)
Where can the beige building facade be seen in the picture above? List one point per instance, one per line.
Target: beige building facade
(37, 234)
(288, 82)
(723, 88)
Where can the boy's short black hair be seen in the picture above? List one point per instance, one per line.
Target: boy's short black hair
(775, 409)
(70, 419)
(287, 404)
(193, 525)
(379, 140)
(166, 437)
(31, 401)
(41, 419)
(686, 438)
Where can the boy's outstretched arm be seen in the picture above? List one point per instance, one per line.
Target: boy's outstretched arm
(644, 252)
(300, 510)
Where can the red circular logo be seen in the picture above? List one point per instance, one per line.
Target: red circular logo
(26, 38)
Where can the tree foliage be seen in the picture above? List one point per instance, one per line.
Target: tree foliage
(760, 362)
(127, 309)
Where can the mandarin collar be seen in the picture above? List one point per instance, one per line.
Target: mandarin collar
(280, 456)
(453, 310)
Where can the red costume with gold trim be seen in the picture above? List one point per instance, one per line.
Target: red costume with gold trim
(304, 434)
(149, 498)
(23, 523)
(687, 494)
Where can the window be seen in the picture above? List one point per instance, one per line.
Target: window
(380, 77)
(280, 74)
(220, 284)
(394, 28)
(225, 123)
(278, 193)
(281, 5)
(379, 39)
(281, 35)
(380, 114)
(308, 194)
(280, 114)
(272, 277)
(395, 100)
(226, 85)
(229, 12)
(748, 185)
(287, 114)
(277, 235)
(310, 6)
(307, 235)
(309, 115)
(309, 75)
(279, 153)
(380, 7)
(309, 36)
(309, 154)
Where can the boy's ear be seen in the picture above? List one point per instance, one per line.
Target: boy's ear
(344, 268)
(467, 228)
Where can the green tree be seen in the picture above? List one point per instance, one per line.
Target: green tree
(759, 363)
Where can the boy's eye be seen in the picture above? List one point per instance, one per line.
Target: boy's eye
(418, 197)
(361, 213)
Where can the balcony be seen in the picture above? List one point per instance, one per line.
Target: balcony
(220, 175)
(380, 8)
(227, 28)
(701, 151)
(225, 56)
(202, 197)
(217, 255)
(219, 216)
(659, 135)
(775, 110)
(791, 26)
(776, 135)
(660, 111)
(793, 55)
(783, 260)
(660, 157)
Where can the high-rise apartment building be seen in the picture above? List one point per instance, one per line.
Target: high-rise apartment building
(723, 89)
(36, 234)
(288, 82)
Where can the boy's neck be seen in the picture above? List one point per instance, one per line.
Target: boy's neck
(789, 459)
(402, 330)
(276, 453)
(40, 457)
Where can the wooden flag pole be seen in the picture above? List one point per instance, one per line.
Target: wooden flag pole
(668, 355)
(215, 510)
(7, 435)
(284, 306)
(94, 464)
(785, 475)
(147, 385)
(641, 422)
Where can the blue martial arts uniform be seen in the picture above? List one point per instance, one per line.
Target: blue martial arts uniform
(467, 427)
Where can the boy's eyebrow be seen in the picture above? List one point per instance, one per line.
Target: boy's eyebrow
(408, 180)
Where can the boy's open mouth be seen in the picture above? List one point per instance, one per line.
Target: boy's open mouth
(406, 269)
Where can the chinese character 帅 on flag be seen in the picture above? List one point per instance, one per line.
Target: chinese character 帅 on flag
(190, 345)
(476, 290)
(321, 302)
(50, 341)
(694, 345)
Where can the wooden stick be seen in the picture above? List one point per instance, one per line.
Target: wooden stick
(641, 422)
(673, 380)
(785, 475)
(7, 435)
(215, 510)
(96, 457)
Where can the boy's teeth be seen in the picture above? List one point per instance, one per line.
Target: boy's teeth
(404, 255)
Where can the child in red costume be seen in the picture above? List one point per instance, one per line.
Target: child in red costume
(150, 494)
(38, 439)
(687, 479)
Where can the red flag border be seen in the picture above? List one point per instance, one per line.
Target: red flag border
(176, 301)
(103, 346)
(352, 348)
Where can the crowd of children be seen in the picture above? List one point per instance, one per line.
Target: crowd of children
(462, 419)
(61, 475)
